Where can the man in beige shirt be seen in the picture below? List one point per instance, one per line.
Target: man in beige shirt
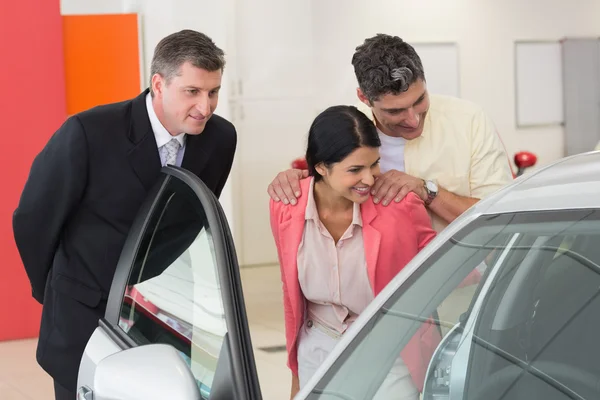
(444, 149)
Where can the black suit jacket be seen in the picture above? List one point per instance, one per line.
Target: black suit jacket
(79, 202)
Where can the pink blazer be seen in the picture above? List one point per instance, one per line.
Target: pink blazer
(392, 236)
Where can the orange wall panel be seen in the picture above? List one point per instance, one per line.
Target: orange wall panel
(102, 59)
(32, 107)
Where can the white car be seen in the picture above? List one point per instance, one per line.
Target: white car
(511, 291)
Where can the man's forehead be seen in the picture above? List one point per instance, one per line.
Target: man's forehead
(200, 79)
(415, 91)
(397, 101)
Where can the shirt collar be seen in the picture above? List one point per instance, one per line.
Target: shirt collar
(313, 214)
(161, 134)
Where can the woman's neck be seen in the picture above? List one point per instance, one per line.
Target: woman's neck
(327, 200)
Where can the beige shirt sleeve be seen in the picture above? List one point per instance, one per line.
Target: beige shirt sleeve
(490, 164)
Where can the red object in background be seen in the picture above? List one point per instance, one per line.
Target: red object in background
(299, 163)
(141, 300)
(32, 107)
(523, 160)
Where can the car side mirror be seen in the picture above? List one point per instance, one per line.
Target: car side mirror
(150, 372)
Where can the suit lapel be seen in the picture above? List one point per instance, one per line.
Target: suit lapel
(198, 149)
(143, 154)
(371, 239)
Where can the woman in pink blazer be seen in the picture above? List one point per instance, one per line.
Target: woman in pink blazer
(337, 249)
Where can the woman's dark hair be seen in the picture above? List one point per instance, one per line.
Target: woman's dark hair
(337, 132)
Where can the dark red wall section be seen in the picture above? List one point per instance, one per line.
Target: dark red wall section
(32, 107)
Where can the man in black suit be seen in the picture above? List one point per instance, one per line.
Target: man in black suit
(87, 184)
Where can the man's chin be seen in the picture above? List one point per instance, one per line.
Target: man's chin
(195, 129)
(195, 132)
(411, 135)
(408, 134)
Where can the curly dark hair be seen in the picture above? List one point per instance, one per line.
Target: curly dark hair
(386, 64)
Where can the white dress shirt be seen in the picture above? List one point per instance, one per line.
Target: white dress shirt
(163, 136)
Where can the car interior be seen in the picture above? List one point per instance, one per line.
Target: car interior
(535, 338)
(172, 296)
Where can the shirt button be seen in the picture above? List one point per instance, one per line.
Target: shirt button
(345, 326)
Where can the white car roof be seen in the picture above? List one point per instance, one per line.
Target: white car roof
(570, 183)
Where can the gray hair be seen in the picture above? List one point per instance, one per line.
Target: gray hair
(185, 46)
(386, 64)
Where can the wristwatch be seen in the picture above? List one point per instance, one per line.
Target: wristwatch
(432, 190)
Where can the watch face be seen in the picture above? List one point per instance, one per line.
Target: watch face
(431, 186)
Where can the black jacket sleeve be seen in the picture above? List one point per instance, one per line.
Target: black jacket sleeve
(54, 188)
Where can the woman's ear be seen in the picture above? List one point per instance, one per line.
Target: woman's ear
(321, 169)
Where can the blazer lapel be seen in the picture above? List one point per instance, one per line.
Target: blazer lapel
(198, 149)
(371, 239)
(290, 236)
(143, 155)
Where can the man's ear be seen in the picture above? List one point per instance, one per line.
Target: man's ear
(157, 84)
(361, 96)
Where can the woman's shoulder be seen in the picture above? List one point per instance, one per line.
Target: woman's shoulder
(286, 211)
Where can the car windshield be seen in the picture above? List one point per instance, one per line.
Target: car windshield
(507, 308)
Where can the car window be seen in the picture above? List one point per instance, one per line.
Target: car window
(173, 294)
(536, 338)
(505, 309)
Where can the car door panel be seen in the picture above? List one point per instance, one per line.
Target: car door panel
(104, 345)
(177, 283)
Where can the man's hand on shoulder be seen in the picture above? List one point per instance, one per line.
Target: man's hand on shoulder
(395, 185)
(286, 186)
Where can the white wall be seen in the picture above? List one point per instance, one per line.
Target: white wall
(485, 31)
(288, 60)
(275, 50)
(159, 19)
(76, 7)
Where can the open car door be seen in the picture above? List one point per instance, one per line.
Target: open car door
(175, 325)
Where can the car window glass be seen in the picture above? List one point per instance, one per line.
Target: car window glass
(173, 294)
(481, 314)
(403, 335)
(550, 333)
